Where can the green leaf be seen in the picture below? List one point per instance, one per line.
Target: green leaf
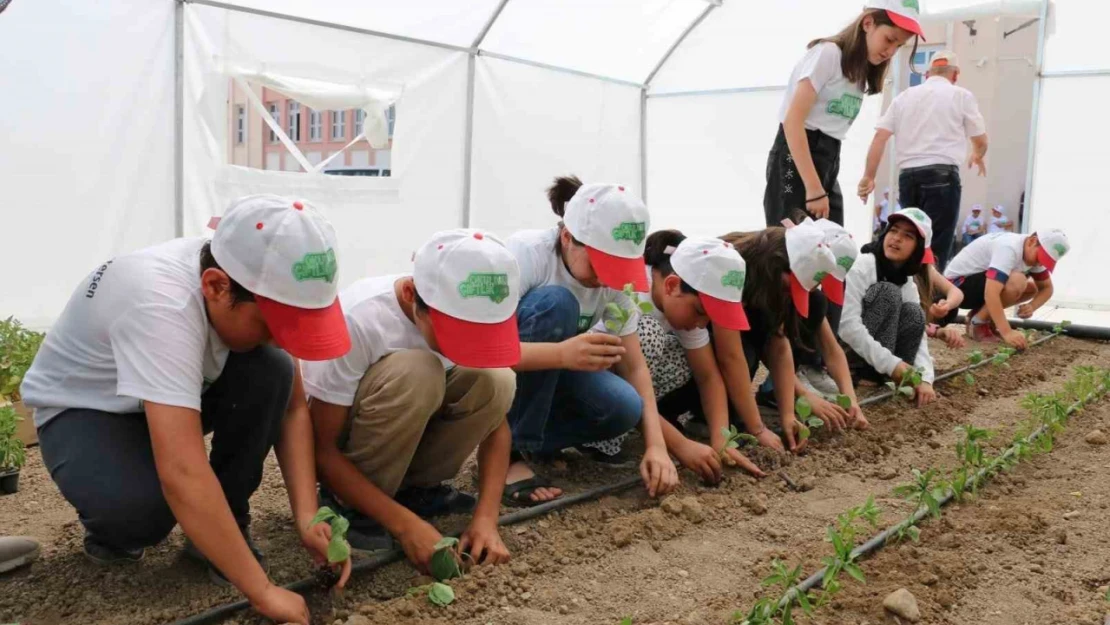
(976, 357)
(969, 379)
(856, 573)
(732, 445)
(802, 407)
(748, 438)
(339, 527)
(446, 541)
(803, 601)
(815, 423)
(844, 401)
(338, 550)
(803, 433)
(728, 432)
(616, 311)
(628, 289)
(613, 326)
(906, 391)
(771, 580)
(646, 308)
(626, 620)
(913, 532)
(323, 514)
(891, 386)
(441, 594)
(444, 564)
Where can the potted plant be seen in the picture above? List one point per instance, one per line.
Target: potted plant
(18, 347)
(12, 455)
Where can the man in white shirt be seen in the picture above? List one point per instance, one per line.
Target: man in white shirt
(933, 123)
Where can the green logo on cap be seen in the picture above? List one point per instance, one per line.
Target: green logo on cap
(1060, 248)
(846, 106)
(916, 214)
(630, 231)
(820, 275)
(845, 262)
(734, 278)
(911, 4)
(319, 266)
(495, 286)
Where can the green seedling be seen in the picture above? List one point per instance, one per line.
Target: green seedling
(844, 401)
(843, 539)
(969, 449)
(1059, 328)
(339, 549)
(922, 491)
(616, 317)
(762, 613)
(438, 593)
(787, 579)
(910, 531)
(626, 620)
(733, 438)
(448, 562)
(12, 453)
(975, 357)
(969, 379)
(911, 379)
(809, 422)
(958, 483)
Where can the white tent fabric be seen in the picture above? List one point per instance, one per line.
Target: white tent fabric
(493, 99)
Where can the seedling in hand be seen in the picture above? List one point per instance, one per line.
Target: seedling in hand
(844, 401)
(733, 438)
(617, 317)
(339, 550)
(804, 411)
(911, 379)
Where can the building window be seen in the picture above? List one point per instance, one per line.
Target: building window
(240, 124)
(360, 121)
(338, 125)
(391, 115)
(275, 112)
(921, 62)
(315, 125)
(294, 120)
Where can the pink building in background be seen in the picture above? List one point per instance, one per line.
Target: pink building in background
(318, 134)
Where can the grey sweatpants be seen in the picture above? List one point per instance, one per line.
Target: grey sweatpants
(896, 325)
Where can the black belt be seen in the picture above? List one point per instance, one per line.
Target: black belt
(938, 167)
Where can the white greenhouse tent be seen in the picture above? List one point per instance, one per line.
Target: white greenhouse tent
(114, 117)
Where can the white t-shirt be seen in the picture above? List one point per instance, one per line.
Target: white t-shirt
(932, 123)
(972, 223)
(135, 330)
(999, 255)
(689, 339)
(540, 265)
(378, 327)
(838, 101)
(861, 277)
(997, 224)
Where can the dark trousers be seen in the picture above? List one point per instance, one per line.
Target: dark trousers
(936, 190)
(104, 466)
(785, 194)
(896, 325)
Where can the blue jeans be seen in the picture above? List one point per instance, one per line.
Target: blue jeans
(556, 408)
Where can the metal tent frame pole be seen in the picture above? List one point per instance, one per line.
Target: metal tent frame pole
(179, 119)
(1038, 80)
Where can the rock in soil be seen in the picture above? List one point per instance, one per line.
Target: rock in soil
(1074, 514)
(929, 579)
(671, 505)
(692, 510)
(902, 603)
(888, 473)
(1062, 537)
(807, 484)
(757, 504)
(1096, 437)
(622, 536)
(358, 619)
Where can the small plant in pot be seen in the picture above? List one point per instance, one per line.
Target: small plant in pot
(12, 454)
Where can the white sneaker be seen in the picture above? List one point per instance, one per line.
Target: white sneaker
(818, 381)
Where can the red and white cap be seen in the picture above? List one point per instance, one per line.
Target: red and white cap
(924, 225)
(844, 249)
(1054, 244)
(471, 283)
(717, 272)
(283, 252)
(612, 222)
(906, 14)
(945, 58)
(810, 262)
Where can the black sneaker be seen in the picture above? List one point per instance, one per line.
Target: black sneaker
(365, 535)
(766, 399)
(439, 500)
(105, 555)
(620, 460)
(214, 574)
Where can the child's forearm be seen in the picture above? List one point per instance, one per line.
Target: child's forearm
(781, 363)
(1044, 293)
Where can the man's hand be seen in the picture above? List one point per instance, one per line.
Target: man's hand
(658, 471)
(866, 188)
(419, 542)
(281, 605)
(315, 539)
(701, 459)
(925, 394)
(482, 541)
(834, 416)
(1014, 339)
(976, 160)
(1025, 311)
(592, 351)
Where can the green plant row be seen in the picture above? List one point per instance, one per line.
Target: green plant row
(929, 491)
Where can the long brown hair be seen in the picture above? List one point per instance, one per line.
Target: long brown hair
(764, 252)
(854, 62)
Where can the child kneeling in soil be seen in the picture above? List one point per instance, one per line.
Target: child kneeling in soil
(1001, 270)
(884, 321)
(578, 380)
(425, 383)
(158, 347)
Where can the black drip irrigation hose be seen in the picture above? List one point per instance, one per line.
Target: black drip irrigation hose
(879, 541)
(1072, 330)
(370, 564)
(950, 374)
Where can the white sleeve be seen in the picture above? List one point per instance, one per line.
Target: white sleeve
(692, 339)
(531, 265)
(860, 278)
(336, 381)
(922, 360)
(1004, 258)
(820, 65)
(890, 117)
(974, 125)
(158, 351)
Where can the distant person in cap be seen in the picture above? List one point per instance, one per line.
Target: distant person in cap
(582, 378)
(426, 383)
(883, 211)
(1000, 222)
(932, 122)
(157, 348)
(975, 225)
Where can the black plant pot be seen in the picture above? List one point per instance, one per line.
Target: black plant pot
(9, 482)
